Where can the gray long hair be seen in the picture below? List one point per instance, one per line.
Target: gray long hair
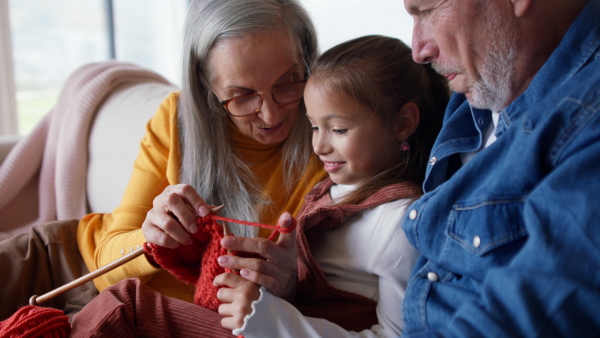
(210, 163)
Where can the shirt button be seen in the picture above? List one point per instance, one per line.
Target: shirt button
(476, 241)
(480, 122)
(412, 214)
(432, 160)
(432, 276)
(122, 252)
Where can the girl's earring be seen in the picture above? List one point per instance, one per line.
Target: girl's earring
(404, 146)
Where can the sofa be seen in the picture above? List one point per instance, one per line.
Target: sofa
(84, 150)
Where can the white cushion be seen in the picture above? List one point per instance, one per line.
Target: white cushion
(114, 141)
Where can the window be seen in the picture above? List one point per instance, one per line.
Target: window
(337, 21)
(50, 39)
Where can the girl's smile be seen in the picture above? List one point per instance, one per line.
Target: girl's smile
(331, 167)
(353, 143)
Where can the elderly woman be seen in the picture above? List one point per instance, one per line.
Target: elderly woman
(235, 135)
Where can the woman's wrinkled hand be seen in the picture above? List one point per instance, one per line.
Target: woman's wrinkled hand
(172, 219)
(237, 296)
(277, 272)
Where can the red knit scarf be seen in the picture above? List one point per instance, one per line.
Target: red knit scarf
(197, 263)
(316, 297)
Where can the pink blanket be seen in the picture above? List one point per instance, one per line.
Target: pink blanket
(44, 176)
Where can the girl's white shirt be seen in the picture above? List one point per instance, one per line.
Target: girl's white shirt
(368, 255)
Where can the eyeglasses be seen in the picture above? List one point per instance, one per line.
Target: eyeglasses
(249, 104)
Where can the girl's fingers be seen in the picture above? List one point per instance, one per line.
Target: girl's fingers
(230, 280)
(237, 295)
(230, 320)
(235, 288)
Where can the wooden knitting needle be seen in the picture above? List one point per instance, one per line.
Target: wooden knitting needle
(37, 300)
(226, 233)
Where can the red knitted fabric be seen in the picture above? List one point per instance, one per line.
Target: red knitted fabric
(197, 263)
(34, 321)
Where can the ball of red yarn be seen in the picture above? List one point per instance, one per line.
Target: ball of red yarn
(196, 263)
(34, 321)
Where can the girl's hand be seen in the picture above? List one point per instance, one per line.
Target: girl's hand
(173, 216)
(237, 296)
(278, 271)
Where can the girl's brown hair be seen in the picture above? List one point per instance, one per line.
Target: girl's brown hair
(379, 72)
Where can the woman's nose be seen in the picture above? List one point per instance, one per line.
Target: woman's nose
(269, 111)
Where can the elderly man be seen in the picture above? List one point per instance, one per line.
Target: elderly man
(509, 227)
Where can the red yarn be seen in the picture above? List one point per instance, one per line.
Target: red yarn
(34, 321)
(197, 263)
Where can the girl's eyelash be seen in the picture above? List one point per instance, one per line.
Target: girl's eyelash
(340, 131)
(314, 128)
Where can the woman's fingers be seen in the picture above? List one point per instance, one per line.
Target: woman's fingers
(286, 243)
(184, 203)
(277, 272)
(154, 230)
(173, 216)
(268, 274)
(191, 197)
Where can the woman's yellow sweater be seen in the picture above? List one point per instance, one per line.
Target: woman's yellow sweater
(103, 238)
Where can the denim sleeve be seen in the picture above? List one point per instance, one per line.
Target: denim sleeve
(551, 287)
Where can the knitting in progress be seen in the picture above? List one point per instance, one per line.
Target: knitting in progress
(194, 264)
(197, 263)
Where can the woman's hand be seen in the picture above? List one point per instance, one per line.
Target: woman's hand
(237, 296)
(277, 272)
(173, 216)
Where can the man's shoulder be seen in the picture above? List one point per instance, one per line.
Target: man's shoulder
(586, 82)
(581, 90)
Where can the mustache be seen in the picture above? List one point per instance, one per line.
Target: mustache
(444, 69)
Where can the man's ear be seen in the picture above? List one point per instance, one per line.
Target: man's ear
(407, 121)
(520, 7)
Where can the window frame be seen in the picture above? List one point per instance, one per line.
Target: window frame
(8, 103)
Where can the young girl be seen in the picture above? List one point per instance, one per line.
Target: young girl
(375, 115)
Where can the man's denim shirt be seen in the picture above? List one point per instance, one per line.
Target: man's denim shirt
(510, 241)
